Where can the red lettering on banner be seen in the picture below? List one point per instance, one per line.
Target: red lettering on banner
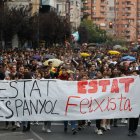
(127, 105)
(81, 87)
(115, 88)
(99, 104)
(112, 102)
(90, 105)
(104, 84)
(121, 102)
(84, 87)
(83, 104)
(127, 82)
(107, 106)
(68, 104)
(94, 86)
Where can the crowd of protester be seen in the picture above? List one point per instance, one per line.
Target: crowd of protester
(29, 64)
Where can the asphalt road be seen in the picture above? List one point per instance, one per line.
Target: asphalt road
(119, 133)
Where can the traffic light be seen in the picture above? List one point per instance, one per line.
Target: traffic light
(110, 25)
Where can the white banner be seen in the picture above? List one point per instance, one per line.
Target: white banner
(42, 100)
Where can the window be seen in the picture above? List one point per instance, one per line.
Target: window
(103, 13)
(127, 32)
(128, 2)
(111, 8)
(128, 37)
(102, 1)
(128, 8)
(94, 7)
(126, 25)
(72, 2)
(94, 1)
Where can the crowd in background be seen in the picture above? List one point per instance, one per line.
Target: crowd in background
(76, 63)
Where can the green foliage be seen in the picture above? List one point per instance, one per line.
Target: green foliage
(94, 33)
(17, 21)
(49, 26)
(53, 28)
(112, 41)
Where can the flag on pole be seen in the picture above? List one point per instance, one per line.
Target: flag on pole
(75, 36)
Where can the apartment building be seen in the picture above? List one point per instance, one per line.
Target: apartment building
(96, 11)
(101, 12)
(75, 13)
(62, 8)
(71, 9)
(35, 4)
(127, 19)
(110, 17)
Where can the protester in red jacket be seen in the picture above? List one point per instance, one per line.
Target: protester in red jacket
(64, 75)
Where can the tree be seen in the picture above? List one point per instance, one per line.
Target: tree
(18, 21)
(41, 26)
(83, 33)
(113, 40)
(53, 28)
(93, 33)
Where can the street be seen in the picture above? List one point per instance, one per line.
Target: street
(118, 133)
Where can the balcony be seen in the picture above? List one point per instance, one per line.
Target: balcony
(128, 1)
(98, 16)
(102, 10)
(130, 17)
(103, 4)
(128, 5)
(127, 31)
(128, 11)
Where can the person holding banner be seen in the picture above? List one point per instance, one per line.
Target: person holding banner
(15, 124)
(99, 130)
(133, 122)
(47, 124)
(115, 73)
(82, 123)
(65, 76)
(133, 125)
(105, 123)
(26, 124)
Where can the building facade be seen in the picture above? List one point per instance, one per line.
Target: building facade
(62, 8)
(101, 12)
(48, 5)
(75, 13)
(110, 17)
(70, 9)
(35, 4)
(127, 19)
(120, 18)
